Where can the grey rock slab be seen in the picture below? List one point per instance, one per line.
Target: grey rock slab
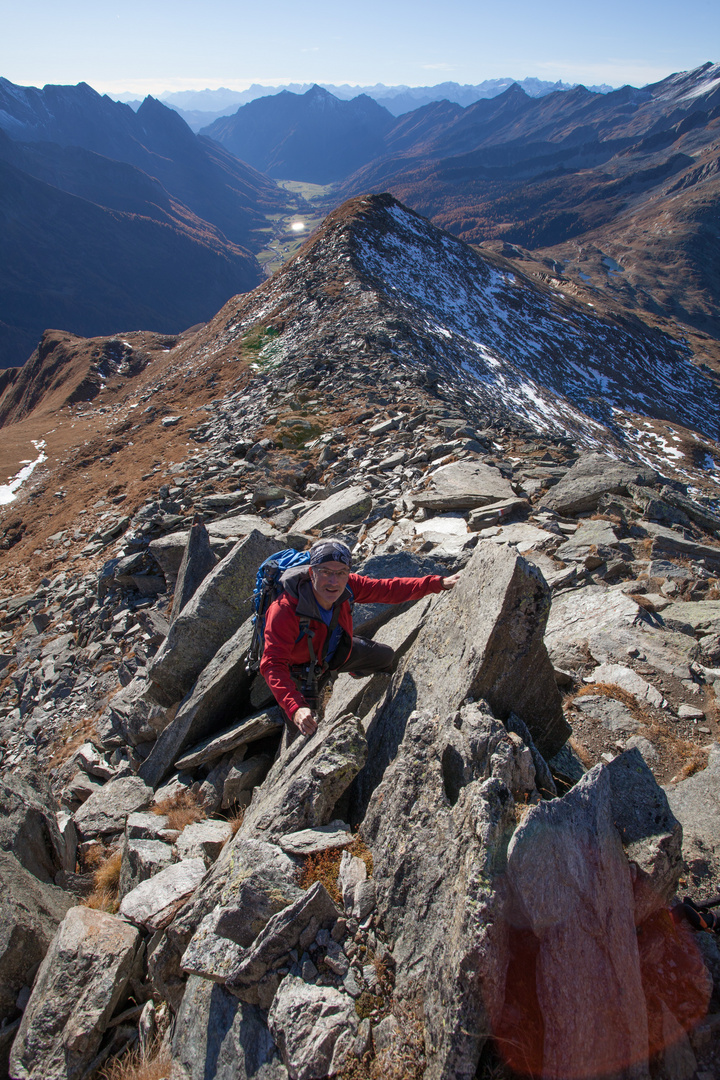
(131, 717)
(307, 780)
(594, 1013)
(142, 859)
(210, 791)
(219, 1037)
(700, 616)
(91, 761)
(524, 536)
(76, 991)
(612, 714)
(212, 703)
(28, 826)
(197, 562)
(107, 810)
(315, 1028)
(463, 485)
(663, 568)
(220, 605)
(242, 777)
(696, 804)
(651, 835)
(604, 623)
(149, 826)
(350, 504)
(494, 512)
(211, 953)
(485, 640)
(80, 788)
(590, 534)
(438, 826)
(311, 841)
(203, 840)
(690, 712)
(629, 680)
(30, 913)
(644, 747)
(250, 882)
(69, 837)
(240, 525)
(590, 477)
(699, 514)
(275, 941)
(244, 731)
(153, 903)
(668, 542)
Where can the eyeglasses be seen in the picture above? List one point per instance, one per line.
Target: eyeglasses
(330, 573)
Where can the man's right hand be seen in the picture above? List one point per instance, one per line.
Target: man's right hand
(304, 719)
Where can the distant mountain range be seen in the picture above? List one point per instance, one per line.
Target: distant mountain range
(113, 218)
(312, 136)
(618, 190)
(200, 107)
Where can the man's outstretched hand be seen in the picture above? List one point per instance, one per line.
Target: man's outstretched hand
(304, 719)
(448, 583)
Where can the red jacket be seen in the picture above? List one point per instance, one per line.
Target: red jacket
(283, 650)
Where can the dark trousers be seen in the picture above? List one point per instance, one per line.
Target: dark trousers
(368, 658)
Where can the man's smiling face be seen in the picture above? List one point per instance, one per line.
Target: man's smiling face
(328, 582)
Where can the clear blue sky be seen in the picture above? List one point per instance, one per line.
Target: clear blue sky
(147, 46)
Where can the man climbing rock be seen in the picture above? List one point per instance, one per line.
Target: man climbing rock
(309, 628)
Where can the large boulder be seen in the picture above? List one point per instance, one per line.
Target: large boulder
(223, 534)
(695, 802)
(605, 855)
(606, 623)
(28, 826)
(590, 477)
(314, 1026)
(438, 826)
(306, 781)
(78, 986)
(130, 717)
(249, 883)
(107, 810)
(153, 903)
(142, 859)
(483, 640)
(464, 485)
(216, 698)
(30, 913)
(220, 605)
(344, 506)
(255, 977)
(197, 562)
(219, 1037)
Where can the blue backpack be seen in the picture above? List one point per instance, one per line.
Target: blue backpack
(266, 591)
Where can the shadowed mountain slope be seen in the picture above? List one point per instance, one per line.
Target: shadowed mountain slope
(313, 136)
(212, 183)
(66, 262)
(113, 219)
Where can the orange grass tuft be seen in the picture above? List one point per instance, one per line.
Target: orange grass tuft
(181, 810)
